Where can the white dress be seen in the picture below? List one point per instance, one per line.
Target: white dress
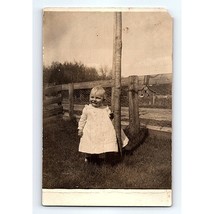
(99, 135)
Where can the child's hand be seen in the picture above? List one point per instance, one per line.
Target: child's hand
(111, 116)
(80, 132)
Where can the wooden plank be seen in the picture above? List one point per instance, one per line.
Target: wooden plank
(103, 83)
(134, 123)
(56, 110)
(89, 85)
(154, 79)
(65, 87)
(71, 99)
(160, 128)
(52, 90)
(52, 100)
(150, 127)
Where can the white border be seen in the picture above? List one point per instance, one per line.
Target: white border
(106, 197)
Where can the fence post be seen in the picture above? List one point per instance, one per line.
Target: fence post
(153, 99)
(71, 100)
(134, 121)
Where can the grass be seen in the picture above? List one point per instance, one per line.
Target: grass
(149, 167)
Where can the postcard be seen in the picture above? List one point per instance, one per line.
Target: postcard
(107, 107)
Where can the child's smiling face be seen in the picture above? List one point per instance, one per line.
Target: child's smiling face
(96, 99)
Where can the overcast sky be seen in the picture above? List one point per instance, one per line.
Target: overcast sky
(88, 37)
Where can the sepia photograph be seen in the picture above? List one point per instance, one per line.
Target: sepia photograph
(107, 107)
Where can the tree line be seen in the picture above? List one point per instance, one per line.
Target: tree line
(67, 72)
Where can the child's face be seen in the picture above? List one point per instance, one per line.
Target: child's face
(96, 99)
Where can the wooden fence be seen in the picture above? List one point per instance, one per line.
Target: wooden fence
(52, 103)
(55, 106)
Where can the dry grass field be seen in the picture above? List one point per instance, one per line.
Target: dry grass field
(148, 167)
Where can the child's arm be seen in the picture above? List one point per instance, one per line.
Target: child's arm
(80, 132)
(82, 121)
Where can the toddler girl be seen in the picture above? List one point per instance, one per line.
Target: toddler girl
(95, 127)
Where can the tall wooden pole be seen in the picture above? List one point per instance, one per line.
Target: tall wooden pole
(117, 81)
(113, 62)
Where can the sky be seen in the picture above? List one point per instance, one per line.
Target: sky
(87, 37)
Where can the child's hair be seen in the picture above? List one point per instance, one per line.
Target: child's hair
(99, 90)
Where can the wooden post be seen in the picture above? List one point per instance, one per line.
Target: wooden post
(113, 63)
(117, 92)
(153, 99)
(134, 121)
(71, 100)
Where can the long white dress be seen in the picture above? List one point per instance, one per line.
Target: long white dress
(99, 135)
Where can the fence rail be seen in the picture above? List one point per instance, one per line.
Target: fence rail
(52, 100)
(148, 80)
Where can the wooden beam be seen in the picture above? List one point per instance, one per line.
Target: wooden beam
(113, 64)
(52, 100)
(117, 92)
(134, 122)
(154, 79)
(71, 99)
(52, 90)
